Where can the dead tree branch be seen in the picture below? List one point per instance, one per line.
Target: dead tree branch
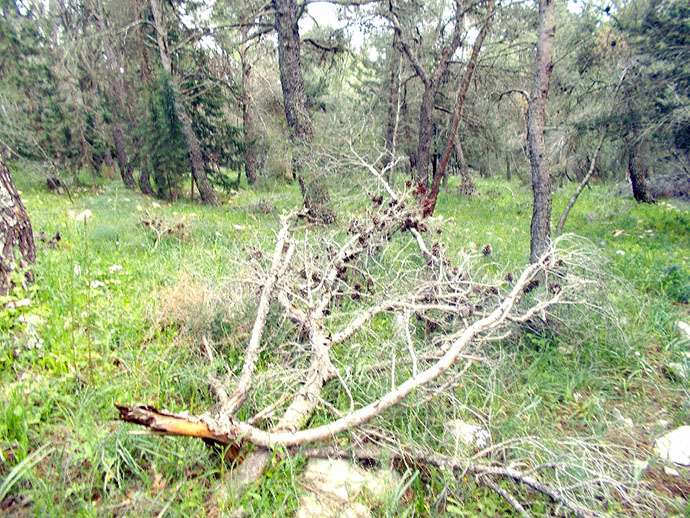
(309, 280)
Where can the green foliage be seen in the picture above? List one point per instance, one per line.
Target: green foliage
(161, 137)
(33, 115)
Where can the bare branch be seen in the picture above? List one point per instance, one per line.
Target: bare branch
(236, 400)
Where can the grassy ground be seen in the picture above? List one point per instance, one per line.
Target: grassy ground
(114, 318)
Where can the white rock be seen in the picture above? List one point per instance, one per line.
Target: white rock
(683, 329)
(675, 446)
(334, 486)
(466, 435)
(671, 472)
(623, 419)
(316, 506)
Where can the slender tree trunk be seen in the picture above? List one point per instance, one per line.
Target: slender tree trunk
(393, 102)
(206, 191)
(314, 191)
(468, 187)
(508, 170)
(426, 128)
(249, 138)
(431, 84)
(16, 236)
(592, 165)
(119, 102)
(540, 232)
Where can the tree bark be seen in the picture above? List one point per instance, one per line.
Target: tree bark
(637, 170)
(291, 80)
(206, 191)
(249, 137)
(426, 127)
(314, 192)
(121, 154)
(144, 177)
(393, 96)
(16, 234)
(540, 231)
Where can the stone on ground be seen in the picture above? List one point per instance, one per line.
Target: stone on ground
(675, 446)
(334, 488)
(465, 436)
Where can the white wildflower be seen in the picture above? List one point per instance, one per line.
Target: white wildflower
(115, 268)
(19, 303)
(96, 284)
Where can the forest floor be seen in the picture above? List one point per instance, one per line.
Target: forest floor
(117, 317)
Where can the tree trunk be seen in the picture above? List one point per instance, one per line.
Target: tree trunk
(540, 231)
(426, 127)
(431, 84)
(249, 138)
(119, 102)
(16, 234)
(314, 191)
(121, 153)
(291, 80)
(206, 191)
(393, 100)
(508, 171)
(468, 185)
(637, 171)
(144, 178)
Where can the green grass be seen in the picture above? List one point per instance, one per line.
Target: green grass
(106, 339)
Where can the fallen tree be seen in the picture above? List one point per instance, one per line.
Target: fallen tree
(333, 292)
